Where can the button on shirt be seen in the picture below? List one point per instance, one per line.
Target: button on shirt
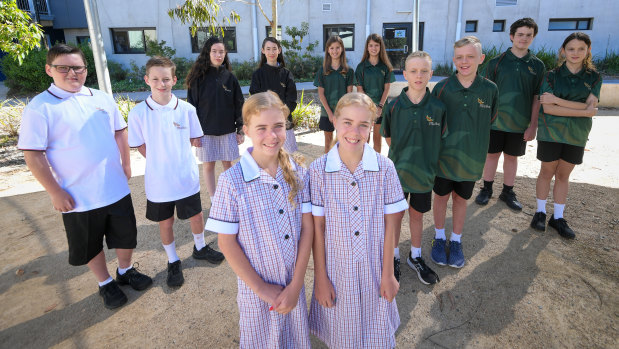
(166, 130)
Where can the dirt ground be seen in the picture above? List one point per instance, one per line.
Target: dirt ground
(519, 289)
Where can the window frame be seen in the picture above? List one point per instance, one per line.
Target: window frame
(267, 32)
(501, 22)
(577, 22)
(136, 29)
(325, 36)
(466, 24)
(196, 46)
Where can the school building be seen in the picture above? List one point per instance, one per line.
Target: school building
(126, 24)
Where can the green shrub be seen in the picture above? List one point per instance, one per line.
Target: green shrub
(305, 114)
(490, 53)
(445, 69)
(609, 64)
(155, 48)
(117, 71)
(10, 116)
(125, 105)
(549, 57)
(244, 70)
(301, 63)
(183, 65)
(303, 67)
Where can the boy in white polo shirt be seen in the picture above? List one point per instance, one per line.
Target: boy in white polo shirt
(165, 128)
(80, 133)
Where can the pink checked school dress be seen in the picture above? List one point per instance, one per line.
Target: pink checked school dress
(252, 204)
(354, 205)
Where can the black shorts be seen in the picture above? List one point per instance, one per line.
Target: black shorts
(85, 230)
(443, 186)
(185, 208)
(507, 142)
(325, 125)
(420, 202)
(552, 151)
(379, 120)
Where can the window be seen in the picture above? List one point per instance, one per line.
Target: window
(345, 31)
(498, 25)
(82, 39)
(506, 2)
(471, 27)
(570, 24)
(132, 40)
(229, 39)
(279, 32)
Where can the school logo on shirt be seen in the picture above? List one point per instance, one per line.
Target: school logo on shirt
(225, 88)
(532, 71)
(587, 85)
(431, 121)
(283, 85)
(101, 109)
(178, 126)
(482, 104)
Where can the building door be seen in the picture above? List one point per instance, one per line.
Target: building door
(398, 42)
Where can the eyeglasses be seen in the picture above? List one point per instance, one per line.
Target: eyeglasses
(78, 69)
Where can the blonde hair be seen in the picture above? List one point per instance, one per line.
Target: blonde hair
(326, 63)
(382, 55)
(254, 105)
(418, 54)
(469, 40)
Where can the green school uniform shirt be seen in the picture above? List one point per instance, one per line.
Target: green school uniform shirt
(518, 80)
(373, 78)
(416, 131)
(470, 112)
(335, 85)
(574, 87)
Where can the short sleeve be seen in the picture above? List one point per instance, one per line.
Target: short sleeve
(306, 199)
(33, 131)
(389, 77)
(547, 83)
(359, 74)
(224, 213)
(394, 200)
(195, 129)
(385, 127)
(319, 79)
(136, 137)
(316, 195)
(541, 73)
(597, 86)
(350, 77)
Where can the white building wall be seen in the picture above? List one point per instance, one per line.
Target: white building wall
(70, 35)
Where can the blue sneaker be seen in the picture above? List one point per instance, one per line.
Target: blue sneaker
(438, 255)
(456, 257)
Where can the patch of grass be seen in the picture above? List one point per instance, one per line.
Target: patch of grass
(304, 114)
(7, 141)
(10, 116)
(443, 69)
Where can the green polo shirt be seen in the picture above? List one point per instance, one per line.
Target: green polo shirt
(373, 78)
(573, 87)
(335, 85)
(470, 112)
(518, 80)
(416, 131)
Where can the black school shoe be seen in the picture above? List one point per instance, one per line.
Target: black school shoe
(396, 269)
(175, 274)
(510, 199)
(539, 221)
(113, 296)
(424, 273)
(561, 226)
(208, 254)
(483, 197)
(133, 277)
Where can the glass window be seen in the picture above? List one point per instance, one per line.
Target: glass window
(498, 25)
(570, 24)
(132, 40)
(279, 32)
(229, 39)
(506, 2)
(345, 31)
(471, 27)
(82, 39)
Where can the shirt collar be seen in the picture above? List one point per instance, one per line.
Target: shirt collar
(525, 58)
(369, 160)
(62, 94)
(459, 85)
(250, 167)
(566, 72)
(152, 105)
(407, 103)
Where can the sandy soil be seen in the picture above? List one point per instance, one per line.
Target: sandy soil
(519, 289)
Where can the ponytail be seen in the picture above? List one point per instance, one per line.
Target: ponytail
(290, 176)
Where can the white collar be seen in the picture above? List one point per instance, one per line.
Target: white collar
(369, 160)
(62, 94)
(152, 105)
(250, 168)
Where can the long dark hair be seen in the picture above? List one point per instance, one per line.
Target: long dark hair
(382, 54)
(203, 63)
(580, 36)
(280, 56)
(326, 63)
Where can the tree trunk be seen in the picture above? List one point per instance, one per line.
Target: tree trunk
(274, 18)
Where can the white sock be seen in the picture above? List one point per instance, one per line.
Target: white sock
(541, 206)
(440, 234)
(198, 239)
(170, 250)
(455, 237)
(122, 271)
(415, 252)
(103, 283)
(396, 253)
(558, 213)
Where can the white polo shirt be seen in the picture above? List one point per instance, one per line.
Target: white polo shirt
(76, 132)
(171, 170)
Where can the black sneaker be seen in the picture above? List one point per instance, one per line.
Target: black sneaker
(175, 274)
(113, 296)
(396, 268)
(539, 221)
(561, 226)
(209, 254)
(133, 277)
(510, 199)
(484, 196)
(424, 273)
